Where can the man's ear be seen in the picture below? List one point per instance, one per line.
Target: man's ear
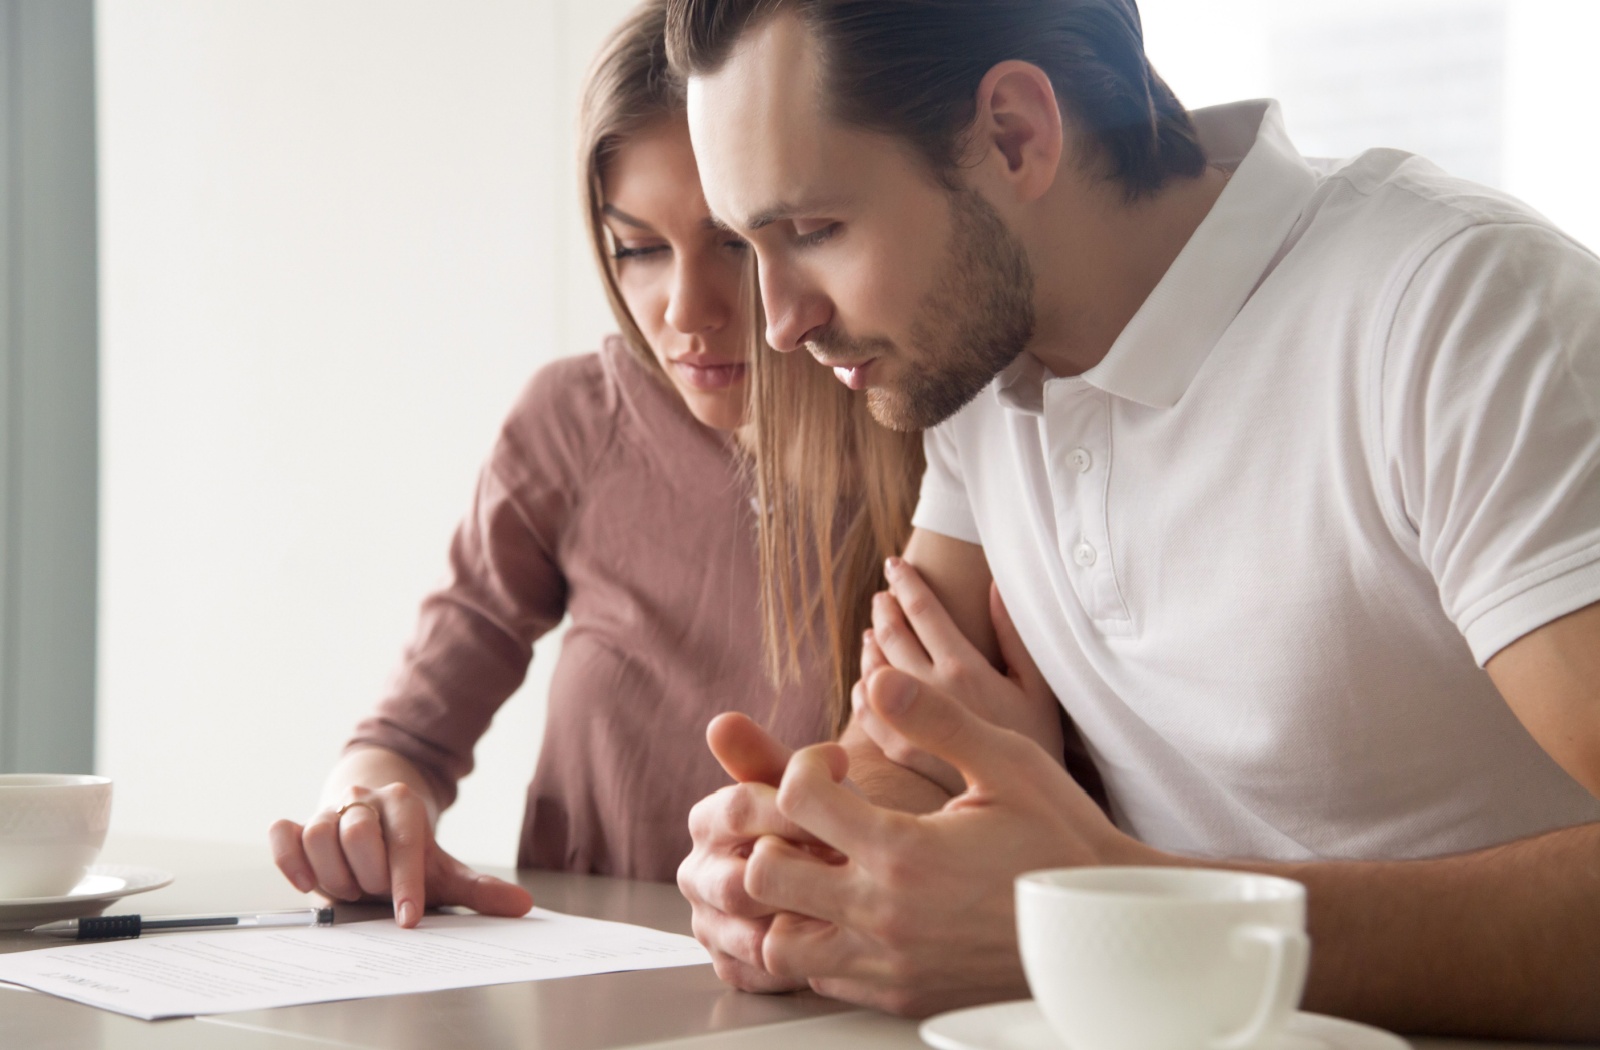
(1017, 137)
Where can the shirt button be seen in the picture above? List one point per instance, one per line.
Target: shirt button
(1082, 460)
(1084, 554)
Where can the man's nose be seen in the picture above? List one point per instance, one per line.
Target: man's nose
(793, 310)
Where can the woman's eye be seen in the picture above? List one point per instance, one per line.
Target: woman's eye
(810, 234)
(736, 244)
(623, 251)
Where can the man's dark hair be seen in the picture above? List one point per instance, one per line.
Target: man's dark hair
(911, 68)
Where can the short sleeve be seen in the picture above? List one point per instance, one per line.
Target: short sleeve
(943, 506)
(1491, 427)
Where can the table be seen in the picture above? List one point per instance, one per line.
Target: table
(685, 1008)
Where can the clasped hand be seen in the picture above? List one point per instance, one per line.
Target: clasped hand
(797, 879)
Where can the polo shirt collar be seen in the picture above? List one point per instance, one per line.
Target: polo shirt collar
(1162, 348)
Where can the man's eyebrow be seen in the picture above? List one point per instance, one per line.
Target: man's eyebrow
(623, 217)
(788, 210)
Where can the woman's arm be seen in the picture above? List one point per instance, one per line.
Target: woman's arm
(374, 835)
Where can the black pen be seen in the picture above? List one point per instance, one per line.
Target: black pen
(109, 927)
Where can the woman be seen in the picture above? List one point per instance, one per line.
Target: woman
(619, 495)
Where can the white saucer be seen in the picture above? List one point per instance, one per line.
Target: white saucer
(104, 884)
(1021, 1026)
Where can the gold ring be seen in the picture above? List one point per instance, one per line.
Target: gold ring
(358, 802)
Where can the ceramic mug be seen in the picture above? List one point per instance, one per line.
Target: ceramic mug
(51, 828)
(1162, 958)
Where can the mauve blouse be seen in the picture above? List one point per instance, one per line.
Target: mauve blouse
(605, 501)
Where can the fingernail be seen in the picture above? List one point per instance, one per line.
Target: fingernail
(406, 913)
(898, 695)
(891, 566)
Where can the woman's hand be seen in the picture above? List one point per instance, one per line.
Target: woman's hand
(380, 845)
(911, 632)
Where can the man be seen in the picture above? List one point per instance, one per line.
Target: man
(1289, 477)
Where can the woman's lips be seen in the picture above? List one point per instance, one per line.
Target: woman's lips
(709, 377)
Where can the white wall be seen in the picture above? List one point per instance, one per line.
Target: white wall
(1224, 49)
(337, 236)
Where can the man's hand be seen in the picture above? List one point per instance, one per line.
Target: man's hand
(920, 915)
(382, 847)
(725, 827)
(911, 631)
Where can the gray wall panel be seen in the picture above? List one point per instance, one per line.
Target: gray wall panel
(49, 401)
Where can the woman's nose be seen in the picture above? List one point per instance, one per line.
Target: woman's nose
(701, 299)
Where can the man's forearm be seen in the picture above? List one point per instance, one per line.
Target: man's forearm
(885, 783)
(1501, 943)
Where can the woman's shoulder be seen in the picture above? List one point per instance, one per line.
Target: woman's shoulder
(572, 409)
(561, 420)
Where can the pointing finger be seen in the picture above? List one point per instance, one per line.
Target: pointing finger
(407, 833)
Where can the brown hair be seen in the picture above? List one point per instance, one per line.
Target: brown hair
(911, 68)
(629, 86)
(836, 489)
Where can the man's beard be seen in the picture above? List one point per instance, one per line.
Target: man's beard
(974, 322)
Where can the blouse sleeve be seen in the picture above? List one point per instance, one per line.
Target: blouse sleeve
(504, 585)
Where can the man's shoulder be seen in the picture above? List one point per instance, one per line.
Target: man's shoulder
(1390, 198)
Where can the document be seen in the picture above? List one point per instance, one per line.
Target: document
(185, 974)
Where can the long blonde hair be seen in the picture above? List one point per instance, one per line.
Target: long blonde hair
(837, 491)
(628, 87)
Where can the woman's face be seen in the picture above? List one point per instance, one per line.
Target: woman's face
(680, 274)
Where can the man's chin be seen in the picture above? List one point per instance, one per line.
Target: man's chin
(890, 409)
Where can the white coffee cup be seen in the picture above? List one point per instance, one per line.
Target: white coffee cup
(1162, 958)
(51, 828)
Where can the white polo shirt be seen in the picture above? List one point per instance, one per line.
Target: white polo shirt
(1347, 450)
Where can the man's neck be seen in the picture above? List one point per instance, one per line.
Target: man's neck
(1100, 259)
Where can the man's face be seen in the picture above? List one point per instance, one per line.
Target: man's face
(910, 291)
